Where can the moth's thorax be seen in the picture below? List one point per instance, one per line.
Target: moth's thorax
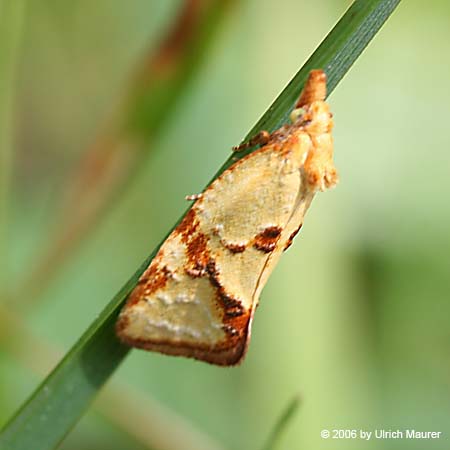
(313, 121)
(317, 119)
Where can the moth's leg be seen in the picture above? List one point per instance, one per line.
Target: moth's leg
(262, 138)
(319, 166)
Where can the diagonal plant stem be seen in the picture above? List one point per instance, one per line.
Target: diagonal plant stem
(142, 417)
(52, 410)
(127, 139)
(11, 18)
(335, 55)
(281, 424)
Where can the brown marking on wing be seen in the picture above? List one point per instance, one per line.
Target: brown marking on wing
(195, 272)
(230, 330)
(233, 248)
(197, 248)
(228, 352)
(197, 255)
(187, 226)
(267, 239)
(154, 278)
(291, 237)
(235, 319)
(235, 323)
(196, 242)
(231, 307)
(221, 355)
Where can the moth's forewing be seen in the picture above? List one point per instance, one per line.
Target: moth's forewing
(199, 293)
(198, 296)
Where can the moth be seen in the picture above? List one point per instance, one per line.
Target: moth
(198, 296)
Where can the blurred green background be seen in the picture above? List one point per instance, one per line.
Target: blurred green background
(355, 319)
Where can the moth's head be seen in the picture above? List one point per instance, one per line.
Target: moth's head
(311, 112)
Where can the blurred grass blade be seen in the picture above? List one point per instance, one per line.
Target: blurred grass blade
(11, 15)
(133, 411)
(148, 421)
(122, 145)
(281, 424)
(62, 398)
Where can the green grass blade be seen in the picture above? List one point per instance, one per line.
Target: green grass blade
(56, 405)
(11, 18)
(336, 54)
(64, 395)
(281, 424)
